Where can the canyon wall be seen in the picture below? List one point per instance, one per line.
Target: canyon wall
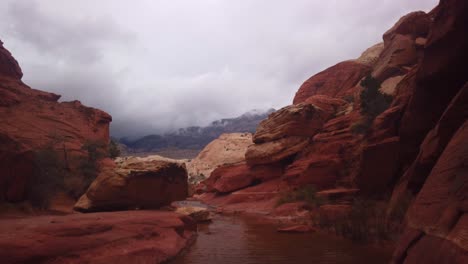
(389, 126)
(46, 146)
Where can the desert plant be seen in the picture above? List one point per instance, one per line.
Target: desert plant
(365, 222)
(48, 179)
(373, 102)
(305, 193)
(114, 150)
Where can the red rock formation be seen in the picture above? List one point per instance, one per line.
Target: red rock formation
(231, 178)
(275, 151)
(302, 120)
(441, 73)
(438, 217)
(335, 81)
(135, 184)
(33, 121)
(9, 67)
(118, 237)
(415, 24)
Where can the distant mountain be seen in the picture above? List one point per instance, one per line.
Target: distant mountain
(196, 137)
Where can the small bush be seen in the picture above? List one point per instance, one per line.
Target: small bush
(114, 150)
(306, 194)
(373, 102)
(367, 221)
(48, 179)
(88, 166)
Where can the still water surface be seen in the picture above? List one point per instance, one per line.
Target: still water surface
(248, 240)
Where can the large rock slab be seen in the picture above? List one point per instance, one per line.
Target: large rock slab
(302, 120)
(117, 237)
(274, 151)
(151, 183)
(233, 177)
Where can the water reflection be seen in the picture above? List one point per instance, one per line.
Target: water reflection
(247, 240)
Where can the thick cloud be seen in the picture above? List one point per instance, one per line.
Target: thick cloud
(160, 65)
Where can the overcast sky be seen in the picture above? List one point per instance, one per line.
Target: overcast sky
(159, 65)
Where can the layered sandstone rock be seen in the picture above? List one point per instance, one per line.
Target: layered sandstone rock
(117, 237)
(302, 120)
(227, 149)
(335, 81)
(231, 178)
(130, 184)
(274, 151)
(36, 129)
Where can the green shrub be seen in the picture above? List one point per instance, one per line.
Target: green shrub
(114, 150)
(373, 102)
(367, 221)
(306, 194)
(48, 179)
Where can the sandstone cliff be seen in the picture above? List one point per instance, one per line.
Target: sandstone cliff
(391, 123)
(46, 146)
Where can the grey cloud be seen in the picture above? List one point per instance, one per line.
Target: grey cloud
(160, 65)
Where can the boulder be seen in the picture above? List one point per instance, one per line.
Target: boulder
(117, 237)
(302, 120)
(199, 214)
(275, 151)
(335, 81)
(135, 184)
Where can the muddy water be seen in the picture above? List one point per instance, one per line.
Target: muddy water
(247, 240)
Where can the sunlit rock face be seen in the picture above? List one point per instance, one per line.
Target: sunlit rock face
(37, 129)
(227, 149)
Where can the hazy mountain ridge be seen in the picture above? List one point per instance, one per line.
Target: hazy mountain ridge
(196, 137)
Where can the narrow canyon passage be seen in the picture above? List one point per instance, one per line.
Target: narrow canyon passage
(250, 240)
